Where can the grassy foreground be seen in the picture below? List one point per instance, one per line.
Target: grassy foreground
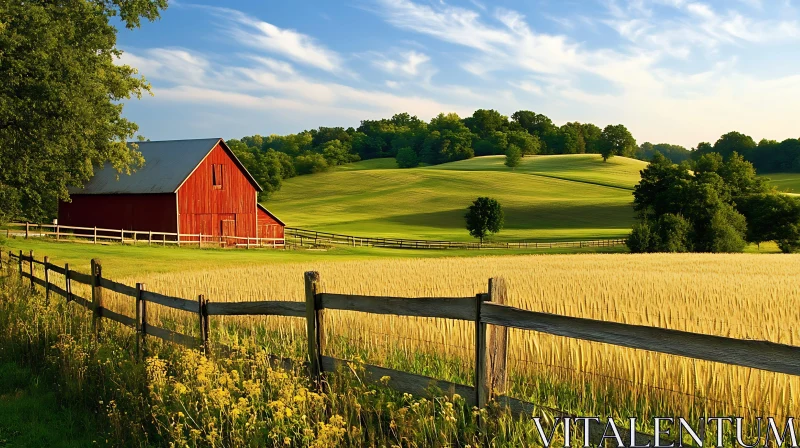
(243, 400)
(178, 397)
(125, 261)
(545, 198)
(31, 415)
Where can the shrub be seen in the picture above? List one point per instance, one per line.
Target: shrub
(726, 232)
(672, 234)
(640, 239)
(407, 158)
(513, 156)
(310, 163)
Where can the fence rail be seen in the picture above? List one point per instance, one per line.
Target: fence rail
(492, 318)
(99, 234)
(294, 236)
(313, 238)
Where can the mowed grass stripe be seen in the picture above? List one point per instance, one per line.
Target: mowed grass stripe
(620, 172)
(430, 202)
(788, 182)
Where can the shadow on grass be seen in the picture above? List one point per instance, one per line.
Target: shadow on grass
(537, 217)
(30, 415)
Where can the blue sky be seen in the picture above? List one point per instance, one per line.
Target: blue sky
(676, 71)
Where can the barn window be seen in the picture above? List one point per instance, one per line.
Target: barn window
(217, 175)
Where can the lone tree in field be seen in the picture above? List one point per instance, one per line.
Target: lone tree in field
(513, 156)
(483, 217)
(616, 140)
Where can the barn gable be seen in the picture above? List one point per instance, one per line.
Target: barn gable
(219, 197)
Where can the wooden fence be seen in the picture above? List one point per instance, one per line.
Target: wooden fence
(140, 236)
(313, 238)
(488, 311)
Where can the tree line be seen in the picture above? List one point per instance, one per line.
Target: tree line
(411, 141)
(712, 203)
(767, 156)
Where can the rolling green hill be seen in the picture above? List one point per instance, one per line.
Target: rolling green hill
(788, 182)
(545, 198)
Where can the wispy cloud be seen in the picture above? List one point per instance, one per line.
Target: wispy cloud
(646, 92)
(268, 84)
(456, 25)
(258, 34)
(409, 63)
(696, 26)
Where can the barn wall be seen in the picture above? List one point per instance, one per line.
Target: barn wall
(202, 209)
(145, 212)
(268, 227)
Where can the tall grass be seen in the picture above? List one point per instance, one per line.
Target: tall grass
(738, 296)
(181, 398)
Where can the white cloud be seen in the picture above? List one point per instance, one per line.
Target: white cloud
(697, 26)
(168, 63)
(528, 86)
(655, 102)
(452, 24)
(409, 64)
(271, 85)
(520, 67)
(292, 44)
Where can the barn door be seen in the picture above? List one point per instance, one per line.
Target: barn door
(228, 230)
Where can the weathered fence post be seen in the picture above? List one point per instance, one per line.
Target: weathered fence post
(27, 229)
(150, 238)
(67, 282)
(200, 240)
(202, 312)
(47, 279)
(97, 297)
(313, 325)
(19, 260)
(492, 348)
(480, 354)
(58, 231)
(30, 262)
(122, 236)
(140, 321)
(95, 234)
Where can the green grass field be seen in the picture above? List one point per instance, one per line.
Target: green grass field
(546, 198)
(30, 415)
(124, 261)
(788, 182)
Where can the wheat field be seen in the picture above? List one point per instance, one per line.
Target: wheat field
(740, 296)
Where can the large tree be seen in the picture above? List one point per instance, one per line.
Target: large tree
(448, 141)
(483, 217)
(484, 122)
(60, 110)
(616, 140)
(717, 207)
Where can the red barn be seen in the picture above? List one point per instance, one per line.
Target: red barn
(185, 186)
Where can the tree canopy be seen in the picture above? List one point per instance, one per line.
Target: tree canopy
(767, 156)
(616, 140)
(716, 205)
(483, 217)
(60, 111)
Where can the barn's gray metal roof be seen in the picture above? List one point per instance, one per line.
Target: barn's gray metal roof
(167, 164)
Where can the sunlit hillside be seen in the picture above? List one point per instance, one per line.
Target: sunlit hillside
(545, 198)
